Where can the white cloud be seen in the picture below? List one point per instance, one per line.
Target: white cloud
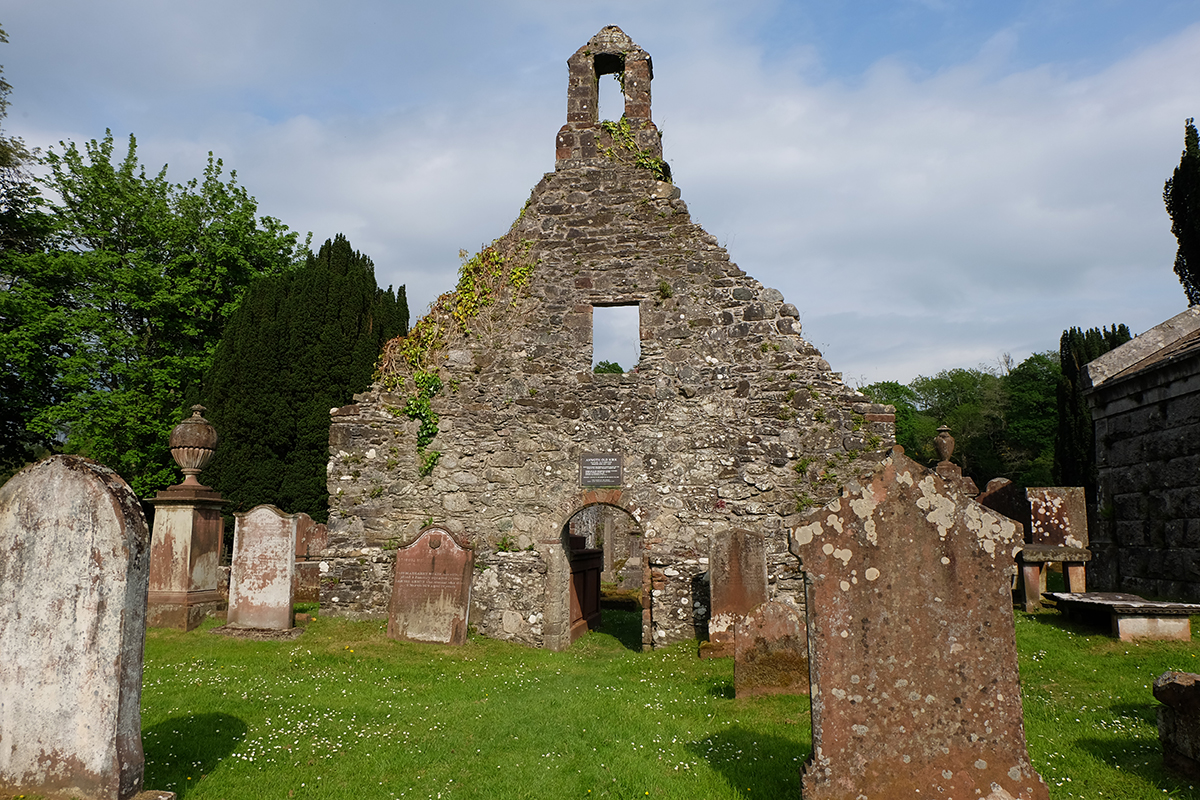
(920, 219)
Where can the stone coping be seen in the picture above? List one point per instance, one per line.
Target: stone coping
(1042, 553)
(1125, 604)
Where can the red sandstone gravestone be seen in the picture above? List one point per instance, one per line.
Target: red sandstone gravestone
(738, 582)
(771, 652)
(185, 550)
(311, 538)
(432, 590)
(73, 579)
(915, 690)
(264, 562)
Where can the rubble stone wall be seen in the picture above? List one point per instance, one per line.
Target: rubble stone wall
(730, 419)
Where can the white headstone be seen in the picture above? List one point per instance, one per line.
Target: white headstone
(73, 580)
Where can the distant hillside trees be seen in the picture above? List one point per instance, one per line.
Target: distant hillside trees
(1182, 197)
(1075, 444)
(300, 344)
(1028, 423)
(114, 300)
(1003, 422)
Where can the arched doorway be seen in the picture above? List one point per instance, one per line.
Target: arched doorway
(604, 547)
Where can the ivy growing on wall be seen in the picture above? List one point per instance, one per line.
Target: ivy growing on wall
(498, 271)
(625, 148)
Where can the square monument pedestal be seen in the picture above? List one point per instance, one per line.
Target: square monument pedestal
(185, 556)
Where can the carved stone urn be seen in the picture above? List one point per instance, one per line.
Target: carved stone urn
(944, 443)
(193, 443)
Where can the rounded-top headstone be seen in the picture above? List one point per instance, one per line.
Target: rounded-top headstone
(76, 565)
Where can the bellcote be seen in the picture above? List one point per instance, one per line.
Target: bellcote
(583, 138)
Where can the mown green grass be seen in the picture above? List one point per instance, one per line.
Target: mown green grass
(344, 712)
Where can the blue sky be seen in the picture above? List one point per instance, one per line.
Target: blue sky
(933, 184)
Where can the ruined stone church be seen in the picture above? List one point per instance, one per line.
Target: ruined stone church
(488, 422)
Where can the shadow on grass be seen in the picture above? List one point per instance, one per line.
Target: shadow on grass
(1096, 623)
(755, 764)
(180, 751)
(1132, 756)
(624, 626)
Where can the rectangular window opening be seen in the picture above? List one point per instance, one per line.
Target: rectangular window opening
(611, 104)
(616, 338)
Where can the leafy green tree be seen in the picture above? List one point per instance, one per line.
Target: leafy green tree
(300, 343)
(125, 305)
(1074, 444)
(608, 367)
(1031, 419)
(1181, 194)
(28, 328)
(915, 430)
(1003, 423)
(971, 403)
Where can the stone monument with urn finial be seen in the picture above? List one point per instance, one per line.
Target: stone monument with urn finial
(949, 471)
(185, 546)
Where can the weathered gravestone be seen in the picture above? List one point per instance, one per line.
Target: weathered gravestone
(771, 652)
(914, 665)
(1179, 721)
(73, 579)
(737, 569)
(311, 538)
(432, 590)
(264, 562)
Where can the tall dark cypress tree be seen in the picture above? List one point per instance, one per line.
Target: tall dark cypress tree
(1181, 193)
(298, 345)
(1074, 445)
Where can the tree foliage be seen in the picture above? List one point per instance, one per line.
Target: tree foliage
(1181, 194)
(24, 232)
(1075, 448)
(300, 343)
(609, 367)
(123, 304)
(998, 419)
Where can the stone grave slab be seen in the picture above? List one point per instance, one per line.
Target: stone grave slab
(738, 580)
(1057, 532)
(76, 565)
(915, 689)
(431, 593)
(264, 564)
(771, 652)
(1130, 617)
(1058, 516)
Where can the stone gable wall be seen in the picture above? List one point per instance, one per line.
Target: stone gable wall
(730, 420)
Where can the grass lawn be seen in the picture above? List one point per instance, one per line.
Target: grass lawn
(345, 712)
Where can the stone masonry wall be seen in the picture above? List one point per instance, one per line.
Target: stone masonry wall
(1145, 538)
(730, 419)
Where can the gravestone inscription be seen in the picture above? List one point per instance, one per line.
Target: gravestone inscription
(915, 689)
(73, 582)
(431, 592)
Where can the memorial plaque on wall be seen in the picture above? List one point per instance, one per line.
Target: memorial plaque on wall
(600, 469)
(432, 590)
